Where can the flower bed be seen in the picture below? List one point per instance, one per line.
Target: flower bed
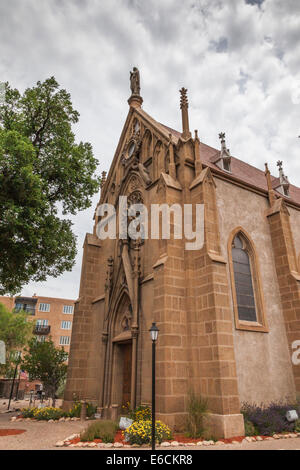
(179, 441)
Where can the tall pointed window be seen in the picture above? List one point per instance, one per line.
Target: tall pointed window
(243, 281)
(246, 290)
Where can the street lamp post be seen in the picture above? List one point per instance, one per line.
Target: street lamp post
(154, 335)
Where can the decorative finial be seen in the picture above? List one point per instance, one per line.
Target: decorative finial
(284, 181)
(267, 171)
(184, 104)
(222, 136)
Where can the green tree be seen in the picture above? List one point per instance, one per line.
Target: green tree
(47, 363)
(43, 173)
(15, 331)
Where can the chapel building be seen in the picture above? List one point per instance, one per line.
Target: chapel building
(228, 313)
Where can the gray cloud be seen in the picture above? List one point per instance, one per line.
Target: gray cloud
(239, 62)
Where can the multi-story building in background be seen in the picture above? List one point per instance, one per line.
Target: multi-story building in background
(52, 317)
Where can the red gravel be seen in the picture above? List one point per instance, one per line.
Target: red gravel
(11, 432)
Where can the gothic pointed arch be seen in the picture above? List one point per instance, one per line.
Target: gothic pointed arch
(247, 295)
(120, 320)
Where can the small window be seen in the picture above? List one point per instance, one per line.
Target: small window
(40, 322)
(44, 308)
(66, 325)
(64, 340)
(68, 309)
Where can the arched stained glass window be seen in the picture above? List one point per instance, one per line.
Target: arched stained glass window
(243, 280)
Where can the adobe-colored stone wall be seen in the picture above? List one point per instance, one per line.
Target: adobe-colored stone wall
(263, 360)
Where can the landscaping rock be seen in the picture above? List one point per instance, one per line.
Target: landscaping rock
(61, 419)
(109, 445)
(125, 423)
(259, 438)
(188, 444)
(275, 436)
(220, 443)
(206, 443)
(200, 443)
(70, 438)
(212, 443)
(165, 444)
(174, 443)
(118, 444)
(235, 442)
(13, 418)
(92, 444)
(60, 444)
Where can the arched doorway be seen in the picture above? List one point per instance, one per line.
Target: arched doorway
(122, 353)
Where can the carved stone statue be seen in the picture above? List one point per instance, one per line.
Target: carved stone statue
(135, 82)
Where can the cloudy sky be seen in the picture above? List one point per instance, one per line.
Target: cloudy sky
(239, 60)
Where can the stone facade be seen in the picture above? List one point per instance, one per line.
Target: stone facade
(191, 295)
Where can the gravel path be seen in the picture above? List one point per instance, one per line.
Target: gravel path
(39, 434)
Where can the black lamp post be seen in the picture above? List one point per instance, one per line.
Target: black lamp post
(154, 335)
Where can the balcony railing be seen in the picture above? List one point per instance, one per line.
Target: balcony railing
(41, 329)
(29, 310)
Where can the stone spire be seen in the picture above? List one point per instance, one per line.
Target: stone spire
(103, 179)
(172, 167)
(284, 181)
(270, 188)
(198, 163)
(184, 104)
(225, 153)
(135, 100)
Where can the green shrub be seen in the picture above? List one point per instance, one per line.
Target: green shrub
(297, 425)
(102, 429)
(250, 429)
(197, 409)
(75, 411)
(140, 432)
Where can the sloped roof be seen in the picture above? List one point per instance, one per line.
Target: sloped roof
(240, 170)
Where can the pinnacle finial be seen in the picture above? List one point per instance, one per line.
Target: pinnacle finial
(222, 136)
(279, 164)
(184, 103)
(103, 179)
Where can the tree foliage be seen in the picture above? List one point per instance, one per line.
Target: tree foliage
(47, 363)
(42, 171)
(15, 331)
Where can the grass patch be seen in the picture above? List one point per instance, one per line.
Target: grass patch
(101, 429)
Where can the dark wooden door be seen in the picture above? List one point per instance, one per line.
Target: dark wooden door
(126, 349)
